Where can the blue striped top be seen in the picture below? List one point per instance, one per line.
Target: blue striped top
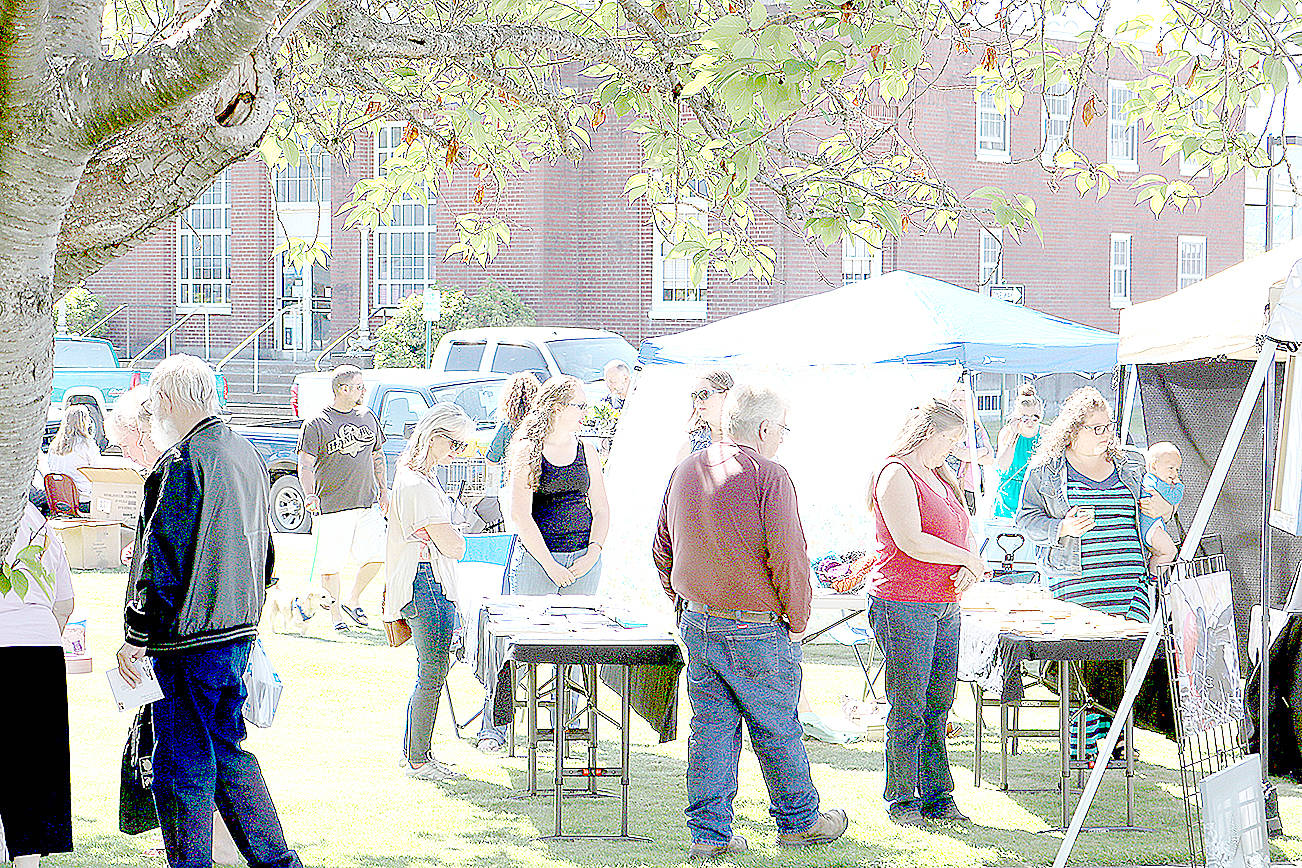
(1114, 575)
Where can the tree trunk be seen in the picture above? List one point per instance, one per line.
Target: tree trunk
(38, 178)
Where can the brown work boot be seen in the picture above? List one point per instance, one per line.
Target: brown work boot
(702, 850)
(829, 826)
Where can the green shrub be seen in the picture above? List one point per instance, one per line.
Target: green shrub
(82, 309)
(401, 341)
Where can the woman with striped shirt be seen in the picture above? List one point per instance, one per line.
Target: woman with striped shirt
(1080, 507)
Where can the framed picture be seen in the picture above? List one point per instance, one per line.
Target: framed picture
(1286, 488)
(1234, 816)
(1206, 651)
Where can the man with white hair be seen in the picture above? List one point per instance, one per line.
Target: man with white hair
(342, 469)
(618, 379)
(731, 553)
(203, 560)
(128, 427)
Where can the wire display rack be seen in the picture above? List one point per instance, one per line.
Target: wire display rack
(1202, 751)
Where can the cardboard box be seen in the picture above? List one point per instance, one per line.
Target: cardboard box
(115, 493)
(91, 544)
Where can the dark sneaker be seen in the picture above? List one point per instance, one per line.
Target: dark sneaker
(946, 812)
(829, 826)
(702, 850)
(908, 815)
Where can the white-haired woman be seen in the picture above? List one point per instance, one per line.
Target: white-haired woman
(558, 496)
(927, 558)
(423, 548)
(74, 448)
(128, 428)
(1080, 508)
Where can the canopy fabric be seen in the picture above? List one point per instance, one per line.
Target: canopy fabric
(1219, 316)
(898, 317)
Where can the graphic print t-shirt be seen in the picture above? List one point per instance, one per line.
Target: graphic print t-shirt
(344, 446)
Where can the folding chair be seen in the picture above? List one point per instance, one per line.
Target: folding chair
(859, 636)
(494, 551)
(61, 495)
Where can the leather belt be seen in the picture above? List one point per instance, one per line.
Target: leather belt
(734, 614)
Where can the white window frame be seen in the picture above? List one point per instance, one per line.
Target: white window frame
(994, 403)
(1062, 91)
(1195, 269)
(412, 229)
(989, 149)
(990, 260)
(1123, 136)
(1120, 272)
(208, 219)
(688, 208)
(859, 260)
(311, 176)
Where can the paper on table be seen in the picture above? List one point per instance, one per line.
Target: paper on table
(147, 691)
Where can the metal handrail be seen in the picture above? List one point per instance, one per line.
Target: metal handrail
(253, 334)
(117, 310)
(167, 333)
(334, 343)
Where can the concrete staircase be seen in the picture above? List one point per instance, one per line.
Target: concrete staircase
(268, 400)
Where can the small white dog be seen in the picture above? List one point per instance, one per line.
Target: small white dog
(284, 607)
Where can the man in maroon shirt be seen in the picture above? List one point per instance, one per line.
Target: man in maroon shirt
(731, 551)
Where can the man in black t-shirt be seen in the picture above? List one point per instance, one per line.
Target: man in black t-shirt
(341, 468)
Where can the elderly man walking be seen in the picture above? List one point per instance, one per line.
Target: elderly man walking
(731, 552)
(198, 582)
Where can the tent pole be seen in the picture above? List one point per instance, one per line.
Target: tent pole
(974, 466)
(1152, 640)
(1131, 385)
(1273, 824)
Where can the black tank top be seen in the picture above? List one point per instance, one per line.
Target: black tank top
(560, 505)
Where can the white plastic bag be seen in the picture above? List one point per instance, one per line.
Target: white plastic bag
(263, 686)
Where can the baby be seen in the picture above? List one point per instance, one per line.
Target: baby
(1162, 480)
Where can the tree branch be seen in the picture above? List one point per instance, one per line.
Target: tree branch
(123, 93)
(23, 59)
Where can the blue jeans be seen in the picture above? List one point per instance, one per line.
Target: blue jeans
(530, 579)
(198, 762)
(432, 619)
(740, 671)
(919, 642)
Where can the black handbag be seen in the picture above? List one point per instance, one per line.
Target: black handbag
(136, 812)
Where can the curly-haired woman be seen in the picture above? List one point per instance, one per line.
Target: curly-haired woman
(558, 497)
(512, 407)
(705, 424)
(1080, 507)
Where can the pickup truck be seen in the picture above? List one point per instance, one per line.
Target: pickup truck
(398, 397)
(87, 371)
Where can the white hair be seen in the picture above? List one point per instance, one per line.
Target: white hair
(748, 407)
(613, 366)
(130, 411)
(186, 381)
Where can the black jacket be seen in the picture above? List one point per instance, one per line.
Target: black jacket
(203, 552)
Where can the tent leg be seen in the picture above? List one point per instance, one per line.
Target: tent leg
(1187, 549)
(1131, 385)
(1274, 826)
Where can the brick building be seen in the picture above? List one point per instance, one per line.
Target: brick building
(582, 255)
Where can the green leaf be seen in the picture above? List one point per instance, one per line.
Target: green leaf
(19, 582)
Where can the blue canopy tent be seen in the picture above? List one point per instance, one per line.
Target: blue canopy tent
(898, 317)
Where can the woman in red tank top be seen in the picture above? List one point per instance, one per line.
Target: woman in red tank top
(927, 558)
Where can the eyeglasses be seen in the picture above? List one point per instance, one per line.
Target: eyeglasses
(457, 445)
(1028, 418)
(785, 429)
(582, 405)
(704, 394)
(1099, 430)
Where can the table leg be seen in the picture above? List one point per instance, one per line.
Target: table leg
(1130, 754)
(1004, 712)
(977, 694)
(531, 775)
(1064, 735)
(624, 743)
(590, 682)
(558, 742)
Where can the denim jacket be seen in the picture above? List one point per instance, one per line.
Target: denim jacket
(1044, 506)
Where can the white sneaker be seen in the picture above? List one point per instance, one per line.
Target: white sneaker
(433, 771)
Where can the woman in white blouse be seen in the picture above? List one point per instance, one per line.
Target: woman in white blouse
(423, 548)
(36, 813)
(73, 448)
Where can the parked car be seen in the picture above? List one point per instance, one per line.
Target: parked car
(398, 396)
(582, 353)
(87, 371)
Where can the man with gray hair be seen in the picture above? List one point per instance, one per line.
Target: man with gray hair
(203, 559)
(342, 469)
(731, 553)
(618, 379)
(128, 426)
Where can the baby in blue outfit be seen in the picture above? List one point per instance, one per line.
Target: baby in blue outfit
(1163, 480)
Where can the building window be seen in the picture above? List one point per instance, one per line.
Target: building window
(1123, 134)
(673, 293)
(1119, 291)
(406, 247)
(305, 183)
(991, 270)
(204, 240)
(1055, 120)
(992, 130)
(1192, 260)
(859, 260)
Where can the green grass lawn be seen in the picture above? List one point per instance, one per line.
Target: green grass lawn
(331, 761)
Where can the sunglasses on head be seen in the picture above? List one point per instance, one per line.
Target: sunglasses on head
(704, 394)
